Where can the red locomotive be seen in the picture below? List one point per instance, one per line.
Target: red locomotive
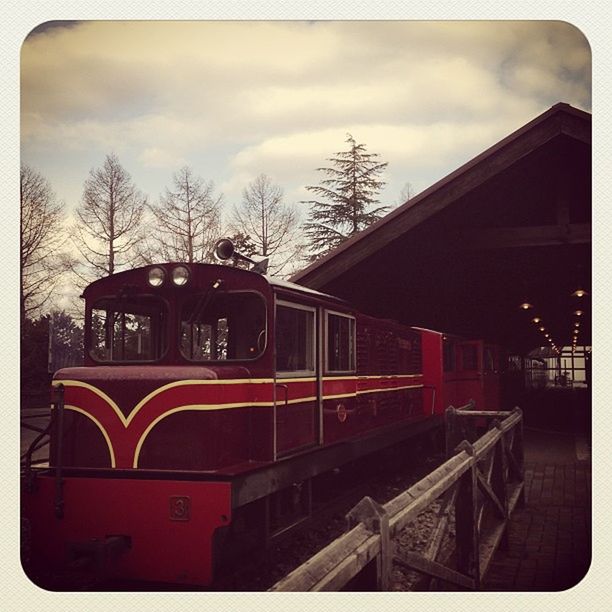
(211, 399)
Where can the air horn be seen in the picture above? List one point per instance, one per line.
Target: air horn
(224, 250)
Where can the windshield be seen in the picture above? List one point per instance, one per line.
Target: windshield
(218, 325)
(123, 329)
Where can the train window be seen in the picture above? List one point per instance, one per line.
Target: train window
(222, 326)
(340, 334)
(489, 359)
(469, 357)
(124, 330)
(294, 339)
(448, 349)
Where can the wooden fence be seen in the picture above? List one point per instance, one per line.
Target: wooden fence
(482, 482)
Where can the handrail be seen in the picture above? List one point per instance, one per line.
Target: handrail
(58, 415)
(501, 484)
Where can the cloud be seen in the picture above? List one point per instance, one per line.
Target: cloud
(412, 151)
(239, 98)
(155, 157)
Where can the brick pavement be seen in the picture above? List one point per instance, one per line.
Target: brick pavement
(549, 540)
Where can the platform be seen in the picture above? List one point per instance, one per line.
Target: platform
(549, 540)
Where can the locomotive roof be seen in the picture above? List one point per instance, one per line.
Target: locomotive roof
(284, 284)
(273, 281)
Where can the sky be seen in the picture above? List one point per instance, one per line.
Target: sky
(233, 99)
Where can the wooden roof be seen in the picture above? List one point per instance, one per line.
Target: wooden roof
(512, 225)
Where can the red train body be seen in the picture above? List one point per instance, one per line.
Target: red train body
(211, 395)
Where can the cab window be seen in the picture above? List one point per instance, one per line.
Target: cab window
(123, 329)
(223, 325)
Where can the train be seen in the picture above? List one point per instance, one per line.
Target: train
(211, 400)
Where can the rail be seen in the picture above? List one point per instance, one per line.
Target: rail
(54, 418)
(482, 482)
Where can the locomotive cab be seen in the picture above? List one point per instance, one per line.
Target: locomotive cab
(160, 388)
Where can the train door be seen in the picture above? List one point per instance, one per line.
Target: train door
(470, 373)
(491, 377)
(339, 357)
(296, 389)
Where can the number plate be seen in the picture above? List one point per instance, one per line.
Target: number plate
(180, 508)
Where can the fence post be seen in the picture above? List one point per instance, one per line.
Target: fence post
(450, 422)
(376, 520)
(499, 478)
(518, 451)
(466, 520)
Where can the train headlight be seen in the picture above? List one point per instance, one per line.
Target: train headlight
(180, 275)
(156, 276)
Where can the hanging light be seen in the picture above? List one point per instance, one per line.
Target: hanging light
(542, 328)
(578, 313)
(579, 293)
(526, 306)
(536, 320)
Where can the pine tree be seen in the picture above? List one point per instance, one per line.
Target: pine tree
(346, 198)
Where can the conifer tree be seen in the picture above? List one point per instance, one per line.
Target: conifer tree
(346, 199)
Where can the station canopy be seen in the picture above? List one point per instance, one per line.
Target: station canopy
(497, 250)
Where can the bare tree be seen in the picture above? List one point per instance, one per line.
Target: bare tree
(186, 221)
(108, 220)
(41, 240)
(267, 221)
(405, 194)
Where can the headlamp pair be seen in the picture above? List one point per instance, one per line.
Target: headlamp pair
(179, 275)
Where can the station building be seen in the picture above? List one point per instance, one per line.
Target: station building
(499, 249)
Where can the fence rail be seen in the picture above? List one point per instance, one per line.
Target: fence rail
(482, 482)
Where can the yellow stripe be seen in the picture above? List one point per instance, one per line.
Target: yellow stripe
(180, 383)
(197, 407)
(364, 391)
(339, 396)
(373, 377)
(126, 422)
(389, 376)
(106, 437)
(202, 407)
(96, 391)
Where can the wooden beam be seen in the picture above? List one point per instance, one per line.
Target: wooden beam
(518, 237)
(486, 488)
(412, 560)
